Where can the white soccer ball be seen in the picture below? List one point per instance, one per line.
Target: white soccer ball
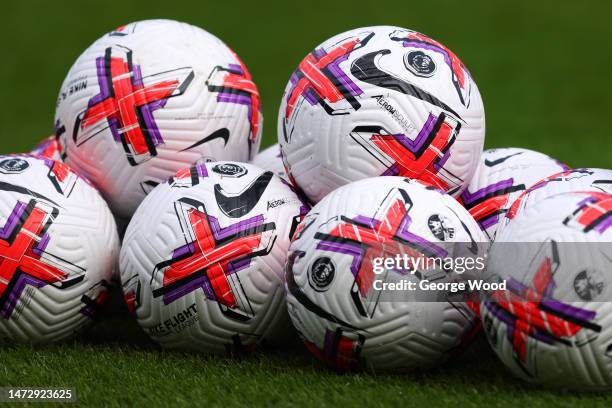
(58, 250)
(334, 301)
(553, 323)
(585, 179)
(202, 259)
(380, 101)
(150, 98)
(271, 159)
(502, 175)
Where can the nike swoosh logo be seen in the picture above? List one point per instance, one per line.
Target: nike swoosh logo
(148, 185)
(364, 68)
(241, 204)
(603, 185)
(473, 246)
(491, 163)
(22, 190)
(69, 283)
(222, 133)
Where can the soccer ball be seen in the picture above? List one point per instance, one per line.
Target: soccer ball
(58, 249)
(596, 180)
(202, 259)
(553, 323)
(49, 147)
(380, 101)
(500, 178)
(333, 299)
(150, 98)
(271, 159)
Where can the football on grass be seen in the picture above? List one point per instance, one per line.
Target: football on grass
(336, 297)
(58, 250)
(202, 258)
(149, 98)
(380, 101)
(553, 323)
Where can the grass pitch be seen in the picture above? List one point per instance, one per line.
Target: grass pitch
(542, 67)
(115, 365)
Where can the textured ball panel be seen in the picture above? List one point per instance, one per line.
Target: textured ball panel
(150, 98)
(271, 159)
(380, 101)
(58, 250)
(202, 258)
(502, 175)
(329, 278)
(596, 180)
(553, 326)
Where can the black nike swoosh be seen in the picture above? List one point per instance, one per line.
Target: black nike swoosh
(77, 125)
(364, 68)
(148, 185)
(473, 246)
(222, 133)
(241, 204)
(602, 185)
(60, 131)
(22, 190)
(304, 300)
(69, 283)
(491, 163)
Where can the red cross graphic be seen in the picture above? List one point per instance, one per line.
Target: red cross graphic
(244, 82)
(341, 352)
(379, 232)
(130, 301)
(213, 258)
(125, 97)
(315, 79)
(60, 170)
(19, 257)
(530, 317)
(489, 206)
(593, 211)
(409, 164)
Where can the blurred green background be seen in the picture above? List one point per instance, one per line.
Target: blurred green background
(543, 67)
